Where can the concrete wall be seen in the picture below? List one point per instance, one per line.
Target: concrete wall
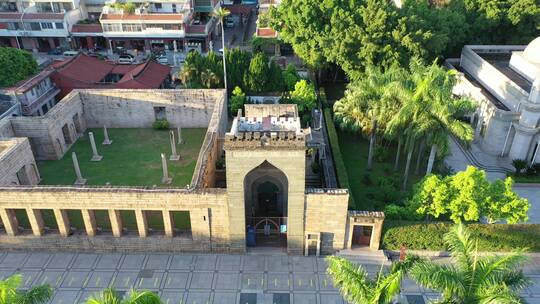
(6, 130)
(135, 108)
(263, 110)
(326, 213)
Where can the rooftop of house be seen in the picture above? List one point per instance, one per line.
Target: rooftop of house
(133, 159)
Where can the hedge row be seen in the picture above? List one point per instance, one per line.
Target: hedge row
(429, 236)
(341, 171)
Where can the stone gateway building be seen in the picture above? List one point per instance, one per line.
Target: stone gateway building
(248, 181)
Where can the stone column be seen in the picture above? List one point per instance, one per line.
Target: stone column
(80, 181)
(200, 225)
(142, 224)
(89, 219)
(106, 141)
(168, 223)
(166, 179)
(179, 131)
(174, 156)
(116, 222)
(95, 155)
(376, 234)
(62, 221)
(36, 221)
(11, 224)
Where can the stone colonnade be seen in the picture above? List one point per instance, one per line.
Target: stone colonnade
(197, 218)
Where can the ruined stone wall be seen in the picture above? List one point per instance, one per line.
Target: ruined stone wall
(6, 130)
(326, 213)
(136, 108)
(16, 158)
(208, 215)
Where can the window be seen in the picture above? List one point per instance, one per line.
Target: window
(14, 26)
(131, 27)
(32, 26)
(113, 27)
(59, 25)
(46, 26)
(158, 6)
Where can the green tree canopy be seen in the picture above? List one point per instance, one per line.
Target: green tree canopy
(237, 101)
(11, 294)
(304, 96)
(468, 196)
(110, 296)
(256, 80)
(16, 65)
(201, 71)
(237, 66)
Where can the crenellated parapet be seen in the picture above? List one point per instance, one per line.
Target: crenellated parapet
(283, 140)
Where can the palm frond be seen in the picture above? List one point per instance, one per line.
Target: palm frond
(36, 295)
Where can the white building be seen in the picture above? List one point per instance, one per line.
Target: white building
(505, 81)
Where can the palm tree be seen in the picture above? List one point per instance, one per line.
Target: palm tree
(209, 78)
(9, 293)
(187, 74)
(110, 296)
(472, 279)
(220, 14)
(368, 105)
(358, 288)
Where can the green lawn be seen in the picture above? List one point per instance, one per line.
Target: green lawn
(133, 159)
(374, 189)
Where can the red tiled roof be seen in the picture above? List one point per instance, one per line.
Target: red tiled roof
(266, 32)
(239, 9)
(32, 16)
(85, 72)
(164, 17)
(87, 28)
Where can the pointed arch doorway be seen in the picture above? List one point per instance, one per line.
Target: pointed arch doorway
(266, 197)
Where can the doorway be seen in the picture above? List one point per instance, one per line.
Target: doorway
(361, 236)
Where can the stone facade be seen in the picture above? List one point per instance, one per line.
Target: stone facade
(217, 215)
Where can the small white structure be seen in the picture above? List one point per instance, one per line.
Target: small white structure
(505, 81)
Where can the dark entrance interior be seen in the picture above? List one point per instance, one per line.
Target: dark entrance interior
(266, 206)
(361, 236)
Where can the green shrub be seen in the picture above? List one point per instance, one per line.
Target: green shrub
(341, 171)
(160, 124)
(429, 236)
(519, 164)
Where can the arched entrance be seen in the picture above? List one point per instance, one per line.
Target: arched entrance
(265, 196)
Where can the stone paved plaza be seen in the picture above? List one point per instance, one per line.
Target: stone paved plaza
(198, 278)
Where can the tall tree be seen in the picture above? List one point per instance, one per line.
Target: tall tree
(238, 64)
(220, 14)
(368, 104)
(16, 65)
(110, 296)
(356, 286)
(256, 80)
(11, 294)
(472, 278)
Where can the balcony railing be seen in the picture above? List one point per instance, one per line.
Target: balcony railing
(201, 29)
(29, 107)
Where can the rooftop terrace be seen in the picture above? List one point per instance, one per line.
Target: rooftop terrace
(501, 62)
(133, 159)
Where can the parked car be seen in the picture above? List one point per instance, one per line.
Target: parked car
(55, 51)
(163, 59)
(70, 53)
(126, 59)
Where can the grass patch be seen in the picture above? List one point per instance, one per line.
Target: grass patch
(133, 159)
(372, 190)
(429, 236)
(525, 178)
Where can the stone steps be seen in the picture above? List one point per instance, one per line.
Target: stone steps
(474, 161)
(365, 256)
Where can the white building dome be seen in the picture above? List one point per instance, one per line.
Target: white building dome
(532, 51)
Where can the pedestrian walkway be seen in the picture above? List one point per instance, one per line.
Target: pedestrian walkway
(199, 278)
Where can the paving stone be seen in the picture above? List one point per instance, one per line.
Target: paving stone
(37, 260)
(181, 262)
(133, 261)
(84, 261)
(227, 281)
(125, 280)
(151, 283)
(229, 262)
(14, 260)
(75, 279)
(65, 297)
(108, 261)
(254, 263)
(304, 281)
(99, 279)
(205, 262)
(322, 264)
(60, 261)
(51, 277)
(29, 276)
(278, 263)
(326, 283)
(303, 298)
(197, 297)
(330, 299)
(173, 297)
(176, 280)
(253, 281)
(224, 297)
(201, 280)
(303, 264)
(157, 261)
(278, 281)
